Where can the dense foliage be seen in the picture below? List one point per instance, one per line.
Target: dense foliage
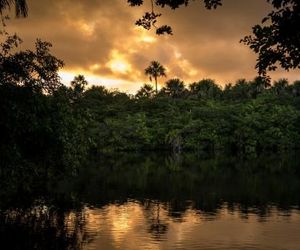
(41, 120)
(247, 117)
(45, 121)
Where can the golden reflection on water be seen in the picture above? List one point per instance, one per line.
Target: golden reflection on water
(134, 225)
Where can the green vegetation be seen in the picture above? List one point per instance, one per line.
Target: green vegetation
(41, 120)
(45, 121)
(51, 136)
(248, 117)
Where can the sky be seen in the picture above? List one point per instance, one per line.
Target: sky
(98, 38)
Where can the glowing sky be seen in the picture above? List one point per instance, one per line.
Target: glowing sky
(98, 38)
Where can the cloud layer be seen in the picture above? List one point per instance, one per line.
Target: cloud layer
(98, 38)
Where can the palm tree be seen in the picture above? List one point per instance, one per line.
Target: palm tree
(79, 84)
(241, 90)
(155, 70)
(206, 89)
(145, 92)
(20, 6)
(259, 85)
(174, 87)
(296, 88)
(280, 87)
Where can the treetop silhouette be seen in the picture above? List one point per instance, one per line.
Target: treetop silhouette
(155, 70)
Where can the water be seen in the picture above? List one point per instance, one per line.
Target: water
(156, 202)
(133, 225)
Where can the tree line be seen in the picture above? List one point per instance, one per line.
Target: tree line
(45, 122)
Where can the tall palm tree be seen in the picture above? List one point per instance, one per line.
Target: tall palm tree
(155, 70)
(20, 6)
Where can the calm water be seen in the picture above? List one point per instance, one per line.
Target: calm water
(155, 202)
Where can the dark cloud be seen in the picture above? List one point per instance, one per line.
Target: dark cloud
(90, 36)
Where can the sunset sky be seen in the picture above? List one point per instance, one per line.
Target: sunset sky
(98, 38)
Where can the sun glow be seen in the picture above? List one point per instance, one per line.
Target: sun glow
(118, 63)
(144, 36)
(94, 67)
(109, 82)
(119, 66)
(148, 39)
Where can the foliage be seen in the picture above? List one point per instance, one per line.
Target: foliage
(206, 89)
(277, 40)
(149, 19)
(45, 121)
(37, 70)
(174, 88)
(248, 117)
(40, 121)
(145, 92)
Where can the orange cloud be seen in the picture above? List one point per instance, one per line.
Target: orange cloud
(99, 39)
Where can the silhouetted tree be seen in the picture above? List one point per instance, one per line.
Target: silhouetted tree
(155, 70)
(37, 69)
(205, 88)
(277, 39)
(174, 87)
(239, 91)
(296, 88)
(39, 121)
(280, 86)
(78, 85)
(145, 91)
(149, 19)
(259, 85)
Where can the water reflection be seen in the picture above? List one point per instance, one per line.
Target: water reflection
(196, 230)
(156, 202)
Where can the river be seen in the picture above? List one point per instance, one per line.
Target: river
(156, 201)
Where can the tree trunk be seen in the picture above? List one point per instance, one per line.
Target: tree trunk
(155, 78)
